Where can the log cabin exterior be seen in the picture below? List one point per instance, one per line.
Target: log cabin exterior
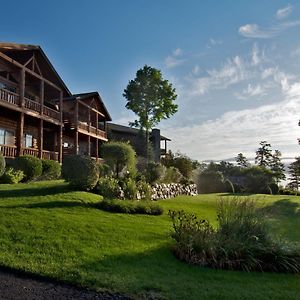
(37, 110)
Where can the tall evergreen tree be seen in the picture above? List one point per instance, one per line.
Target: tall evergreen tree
(277, 167)
(294, 170)
(242, 161)
(263, 156)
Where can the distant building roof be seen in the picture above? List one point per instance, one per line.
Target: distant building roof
(83, 96)
(130, 130)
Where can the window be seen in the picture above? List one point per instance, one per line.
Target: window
(28, 140)
(7, 137)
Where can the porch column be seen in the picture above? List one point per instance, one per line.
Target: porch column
(20, 133)
(97, 149)
(22, 86)
(89, 145)
(60, 143)
(76, 143)
(42, 89)
(41, 138)
(61, 106)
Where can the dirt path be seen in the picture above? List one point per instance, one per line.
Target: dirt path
(19, 287)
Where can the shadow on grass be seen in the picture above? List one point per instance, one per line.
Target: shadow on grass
(36, 191)
(282, 207)
(54, 204)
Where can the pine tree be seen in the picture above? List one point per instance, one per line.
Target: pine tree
(294, 170)
(277, 167)
(242, 161)
(263, 154)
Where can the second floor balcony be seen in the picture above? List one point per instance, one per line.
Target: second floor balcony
(13, 100)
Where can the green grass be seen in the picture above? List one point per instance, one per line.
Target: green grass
(49, 230)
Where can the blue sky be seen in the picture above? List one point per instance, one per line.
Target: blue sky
(234, 64)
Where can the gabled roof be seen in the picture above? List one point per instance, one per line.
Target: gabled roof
(86, 96)
(130, 130)
(21, 53)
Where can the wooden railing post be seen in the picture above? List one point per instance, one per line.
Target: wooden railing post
(41, 138)
(22, 86)
(60, 143)
(42, 93)
(20, 132)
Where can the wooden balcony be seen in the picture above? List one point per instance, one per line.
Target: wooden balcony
(11, 152)
(92, 130)
(8, 151)
(29, 105)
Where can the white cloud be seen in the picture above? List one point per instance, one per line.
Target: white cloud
(241, 131)
(257, 55)
(284, 12)
(250, 91)
(175, 59)
(255, 31)
(214, 42)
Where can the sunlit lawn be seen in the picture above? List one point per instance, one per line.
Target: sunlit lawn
(49, 230)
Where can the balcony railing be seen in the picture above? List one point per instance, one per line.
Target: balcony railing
(8, 151)
(9, 97)
(32, 105)
(50, 155)
(92, 129)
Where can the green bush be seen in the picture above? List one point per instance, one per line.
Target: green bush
(108, 187)
(242, 240)
(130, 189)
(80, 171)
(154, 172)
(119, 156)
(172, 175)
(131, 207)
(104, 170)
(30, 165)
(51, 169)
(2, 164)
(274, 188)
(12, 176)
(144, 190)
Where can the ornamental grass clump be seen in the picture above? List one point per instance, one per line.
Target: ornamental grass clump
(242, 240)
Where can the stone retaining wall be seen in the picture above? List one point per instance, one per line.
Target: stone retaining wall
(166, 191)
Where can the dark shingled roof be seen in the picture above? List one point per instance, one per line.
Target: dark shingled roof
(130, 130)
(83, 96)
(13, 47)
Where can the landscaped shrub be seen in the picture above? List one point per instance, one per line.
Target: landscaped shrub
(51, 169)
(119, 156)
(130, 189)
(2, 164)
(274, 188)
(144, 190)
(80, 171)
(108, 187)
(154, 172)
(12, 176)
(131, 207)
(104, 170)
(30, 165)
(242, 240)
(172, 175)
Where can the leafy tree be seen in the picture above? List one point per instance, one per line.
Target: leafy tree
(210, 181)
(277, 167)
(183, 163)
(263, 154)
(294, 170)
(151, 98)
(242, 161)
(119, 155)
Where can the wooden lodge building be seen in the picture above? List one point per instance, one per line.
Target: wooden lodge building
(38, 114)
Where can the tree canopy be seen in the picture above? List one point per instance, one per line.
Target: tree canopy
(151, 98)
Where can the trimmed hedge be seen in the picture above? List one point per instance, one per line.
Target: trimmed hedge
(2, 164)
(51, 169)
(131, 207)
(30, 165)
(80, 171)
(12, 176)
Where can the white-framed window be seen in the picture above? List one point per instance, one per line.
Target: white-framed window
(7, 137)
(28, 140)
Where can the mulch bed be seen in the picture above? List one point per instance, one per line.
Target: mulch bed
(21, 287)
